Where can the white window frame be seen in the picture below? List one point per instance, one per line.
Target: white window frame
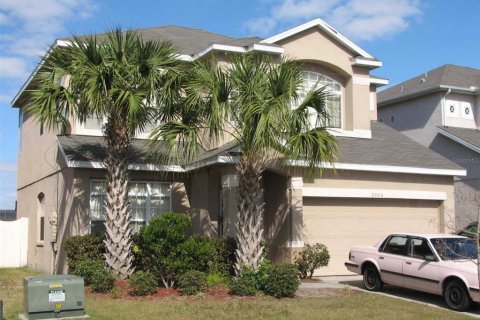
(148, 213)
(80, 129)
(329, 82)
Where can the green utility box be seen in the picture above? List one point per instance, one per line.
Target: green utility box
(49, 297)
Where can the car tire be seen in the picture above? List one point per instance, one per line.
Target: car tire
(456, 296)
(371, 279)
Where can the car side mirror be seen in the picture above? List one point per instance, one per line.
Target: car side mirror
(430, 258)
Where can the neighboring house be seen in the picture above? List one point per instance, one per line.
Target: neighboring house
(441, 110)
(383, 182)
(8, 215)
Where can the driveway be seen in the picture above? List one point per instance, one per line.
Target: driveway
(355, 283)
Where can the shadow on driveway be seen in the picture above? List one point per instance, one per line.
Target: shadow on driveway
(407, 294)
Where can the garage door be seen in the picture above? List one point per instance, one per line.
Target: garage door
(342, 223)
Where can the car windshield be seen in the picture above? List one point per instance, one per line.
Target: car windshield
(455, 248)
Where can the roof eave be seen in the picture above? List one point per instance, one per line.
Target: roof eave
(458, 140)
(14, 102)
(438, 88)
(383, 168)
(368, 63)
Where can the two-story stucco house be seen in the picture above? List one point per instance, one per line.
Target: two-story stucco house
(441, 110)
(382, 182)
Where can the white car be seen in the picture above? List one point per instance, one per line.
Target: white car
(441, 264)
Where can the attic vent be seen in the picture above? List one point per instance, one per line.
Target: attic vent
(423, 80)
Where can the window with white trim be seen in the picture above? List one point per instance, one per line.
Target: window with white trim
(147, 200)
(93, 123)
(334, 101)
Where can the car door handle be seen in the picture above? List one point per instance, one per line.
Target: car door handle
(408, 262)
(381, 258)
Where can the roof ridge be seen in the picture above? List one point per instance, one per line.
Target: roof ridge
(145, 28)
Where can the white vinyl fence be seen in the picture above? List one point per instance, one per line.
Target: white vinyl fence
(13, 243)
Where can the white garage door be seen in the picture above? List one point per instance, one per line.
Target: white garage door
(342, 223)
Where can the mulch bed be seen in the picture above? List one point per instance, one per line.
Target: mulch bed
(219, 293)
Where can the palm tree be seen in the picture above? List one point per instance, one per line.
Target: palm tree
(256, 100)
(117, 77)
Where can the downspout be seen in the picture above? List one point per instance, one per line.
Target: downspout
(443, 105)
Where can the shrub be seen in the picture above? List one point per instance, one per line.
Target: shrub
(157, 247)
(142, 283)
(282, 281)
(196, 253)
(116, 292)
(192, 282)
(87, 268)
(162, 248)
(262, 274)
(102, 280)
(311, 258)
(80, 248)
(215, 279)
(243, 286)
(223, 256)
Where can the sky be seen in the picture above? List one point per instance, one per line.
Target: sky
(410, 37)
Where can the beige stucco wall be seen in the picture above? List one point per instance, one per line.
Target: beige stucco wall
(37, 156)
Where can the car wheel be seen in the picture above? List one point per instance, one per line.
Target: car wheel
(456, 296)
(371, 279)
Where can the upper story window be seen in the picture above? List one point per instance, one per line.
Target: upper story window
(93, 126)
(334, 101)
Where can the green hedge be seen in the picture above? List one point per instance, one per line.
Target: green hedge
(142, 284)
(282, 280)
(80, 248)
(192, 282)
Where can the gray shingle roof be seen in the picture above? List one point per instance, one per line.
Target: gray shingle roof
(470, 136)
(387, 147)
(189, 41)
(92, 148)
(446, 75)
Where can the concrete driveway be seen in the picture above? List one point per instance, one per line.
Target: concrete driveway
(355, 283)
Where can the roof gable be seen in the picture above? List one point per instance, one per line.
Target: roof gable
(319, 23)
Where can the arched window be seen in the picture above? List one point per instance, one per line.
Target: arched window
(334, 101)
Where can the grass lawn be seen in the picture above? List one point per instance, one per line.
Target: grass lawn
(348, 305)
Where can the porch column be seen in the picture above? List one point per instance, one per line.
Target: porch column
(229, 200)
(296, 209)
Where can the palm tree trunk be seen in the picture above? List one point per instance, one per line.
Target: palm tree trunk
(117, 214)
(249, 226)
